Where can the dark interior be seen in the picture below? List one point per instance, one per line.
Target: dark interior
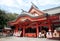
(30, 30)
(43, 28)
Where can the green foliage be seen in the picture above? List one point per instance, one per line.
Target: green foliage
(2, 18)
(12, 16)
(5, 17)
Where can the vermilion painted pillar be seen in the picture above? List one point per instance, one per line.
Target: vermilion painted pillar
(16, 28)
(37, 30)
(23, 31)
(49, 24)
(49, 27)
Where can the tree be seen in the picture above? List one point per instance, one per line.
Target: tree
(3, 18)
(12, 16)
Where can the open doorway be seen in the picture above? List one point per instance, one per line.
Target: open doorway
(43, 30)
(30, 32)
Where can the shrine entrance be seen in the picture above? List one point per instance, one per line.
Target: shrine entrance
(30, 32)
(43, 30)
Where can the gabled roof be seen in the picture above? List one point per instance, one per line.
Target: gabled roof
(29, 15)
(35, 9)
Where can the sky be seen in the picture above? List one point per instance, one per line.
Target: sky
(15, 6)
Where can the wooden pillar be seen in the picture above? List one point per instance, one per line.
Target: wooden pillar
(49, 27)
(16, 29)
(49, 24)
(37, 31)
(23, 31)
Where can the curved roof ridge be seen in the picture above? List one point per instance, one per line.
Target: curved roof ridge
(34, 5)
(27, 14)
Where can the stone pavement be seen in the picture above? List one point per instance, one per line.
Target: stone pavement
(25, 39)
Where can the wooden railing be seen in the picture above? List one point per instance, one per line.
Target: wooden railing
(30, 34)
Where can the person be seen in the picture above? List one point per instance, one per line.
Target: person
(55, 34)
(18, 34)
(39, 34)
(43, 34)
(49, 34)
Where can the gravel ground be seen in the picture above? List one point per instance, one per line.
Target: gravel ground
(25, 39)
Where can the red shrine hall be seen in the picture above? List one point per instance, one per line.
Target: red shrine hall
(30, 23)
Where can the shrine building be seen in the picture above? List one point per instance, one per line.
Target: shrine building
(34, 21)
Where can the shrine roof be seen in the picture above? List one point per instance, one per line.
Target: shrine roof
(29, 15)
(52, 11)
